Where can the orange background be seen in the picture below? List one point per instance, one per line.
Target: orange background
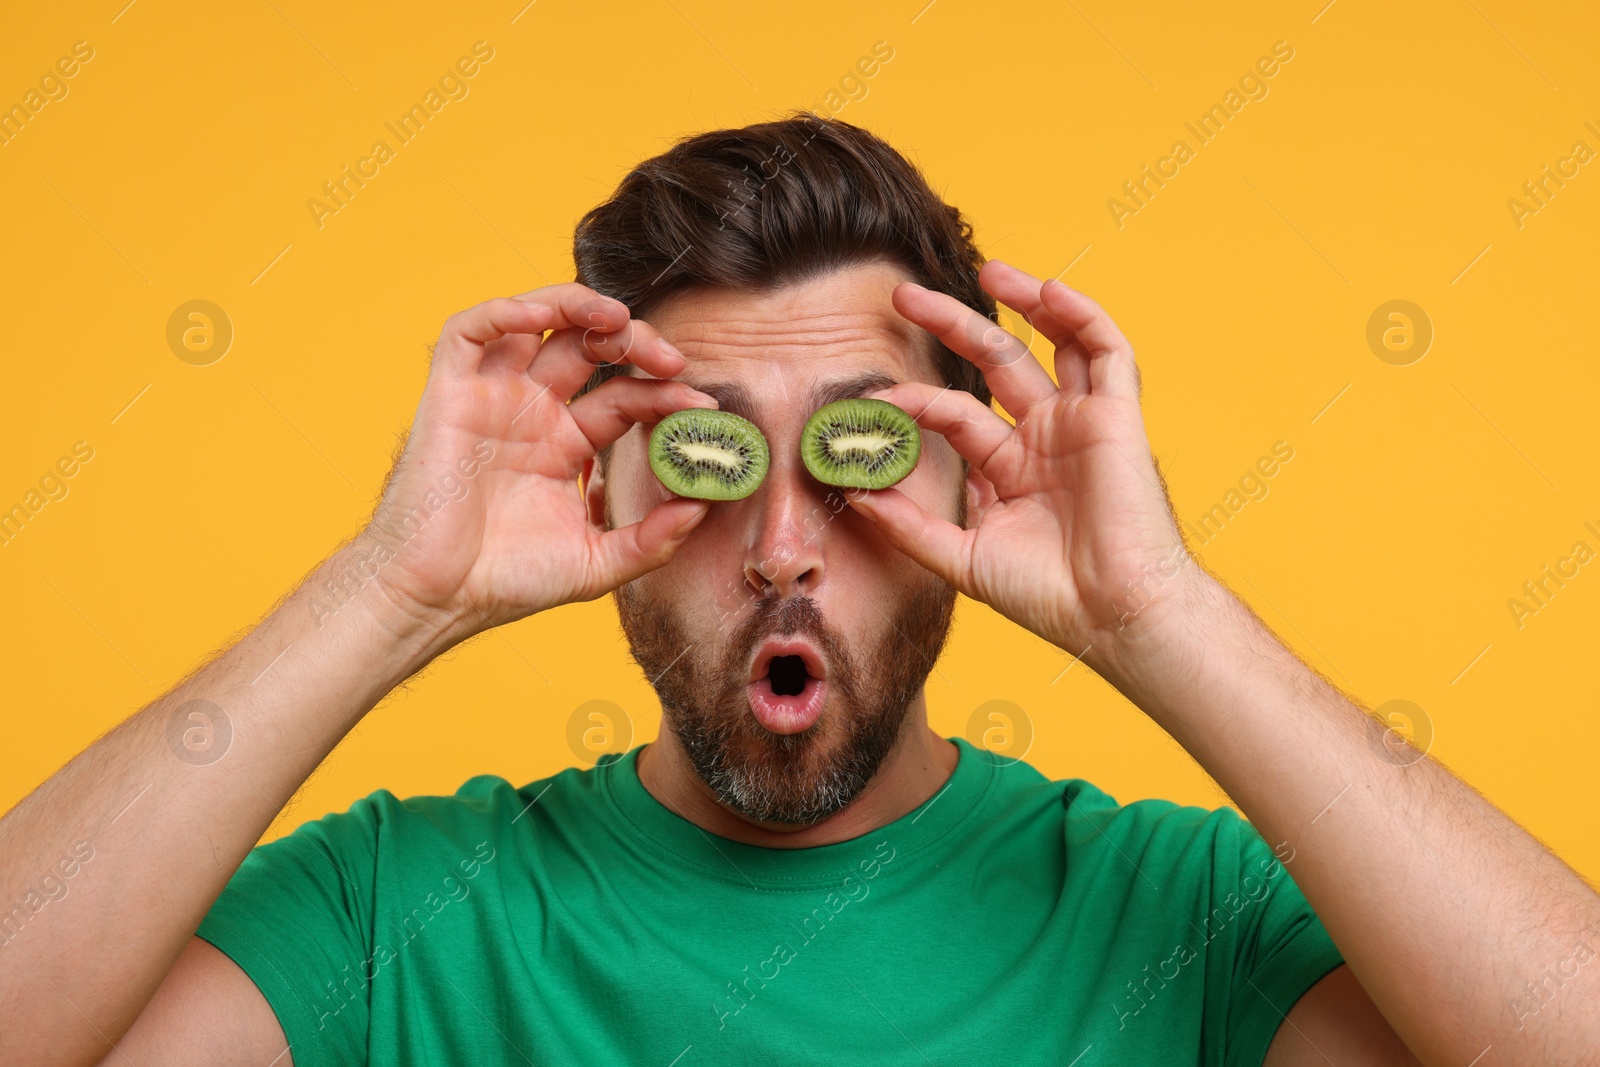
(1377, 167)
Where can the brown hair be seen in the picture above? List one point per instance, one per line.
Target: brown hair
(770, 204)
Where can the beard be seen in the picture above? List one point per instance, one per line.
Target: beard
(798, 778)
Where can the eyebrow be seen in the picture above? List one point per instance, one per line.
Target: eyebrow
(736, 399)
(827, 392)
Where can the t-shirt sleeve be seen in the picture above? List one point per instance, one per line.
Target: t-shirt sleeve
(297, 917)
(1280, 948)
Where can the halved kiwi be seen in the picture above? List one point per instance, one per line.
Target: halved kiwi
(860, 444)
(708, 454)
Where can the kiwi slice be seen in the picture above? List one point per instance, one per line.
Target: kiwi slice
(708, 454)
(861, 444)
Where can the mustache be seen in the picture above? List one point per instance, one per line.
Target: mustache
(786, 617)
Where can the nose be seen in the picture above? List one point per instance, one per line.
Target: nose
(791, 513)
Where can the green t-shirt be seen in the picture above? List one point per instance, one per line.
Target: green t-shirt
(1009, 918)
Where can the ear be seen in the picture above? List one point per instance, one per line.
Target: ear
(981, 496)
(593, 483)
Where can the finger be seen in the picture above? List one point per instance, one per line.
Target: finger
(569, 357)
(1019, 290)
(464, 342)
(973, 428)
(467, 334)
(638, 342)
(938, 544)
(1092, 354)
(572, 294)
(593, 313)
(1112, 369)
(510, 354)
(622, 555)
(1014, 376)
(616, 407)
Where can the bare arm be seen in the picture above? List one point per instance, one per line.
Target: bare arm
(1452, 918)
(167, 818)
(481, 522)
(1336, 1022)
(1441, 904)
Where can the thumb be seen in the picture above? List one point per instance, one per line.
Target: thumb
(625, 554)
(938, 544)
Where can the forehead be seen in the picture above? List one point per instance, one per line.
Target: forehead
(828, 337)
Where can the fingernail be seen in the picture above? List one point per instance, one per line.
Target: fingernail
(670, 349)
(683, 531)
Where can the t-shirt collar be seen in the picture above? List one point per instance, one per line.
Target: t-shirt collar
(666, 834)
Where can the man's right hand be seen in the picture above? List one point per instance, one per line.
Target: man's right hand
(481, 521)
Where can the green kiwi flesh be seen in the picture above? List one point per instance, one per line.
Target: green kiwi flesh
(708, 454)
(860, 444)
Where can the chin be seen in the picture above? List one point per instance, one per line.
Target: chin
(797, 778)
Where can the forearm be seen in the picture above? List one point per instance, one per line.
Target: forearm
(125, 848)
(1442, 906)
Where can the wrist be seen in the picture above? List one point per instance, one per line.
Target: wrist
(352, 581)
(1162, 629)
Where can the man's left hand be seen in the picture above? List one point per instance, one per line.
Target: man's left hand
(1079, 545)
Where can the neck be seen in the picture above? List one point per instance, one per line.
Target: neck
(917, 767)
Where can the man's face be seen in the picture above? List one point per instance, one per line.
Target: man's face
(787, 640)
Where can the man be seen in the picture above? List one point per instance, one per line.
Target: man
(829, 881)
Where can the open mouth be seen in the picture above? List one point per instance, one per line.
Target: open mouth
(787, 685)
